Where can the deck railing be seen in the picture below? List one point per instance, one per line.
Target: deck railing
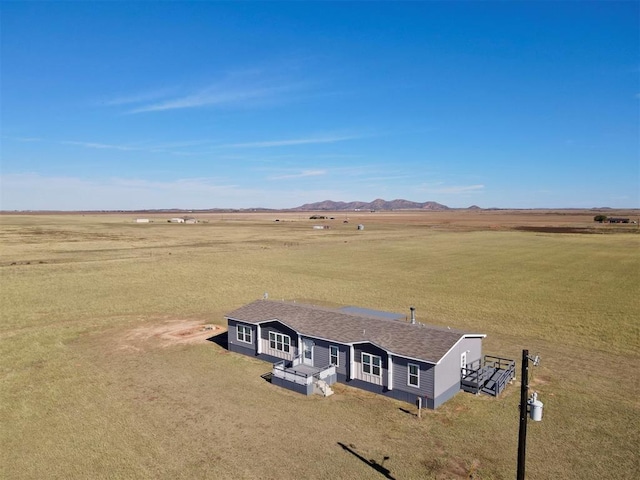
(473, 376)
(499, 362)
(290, 374)
(477, 375)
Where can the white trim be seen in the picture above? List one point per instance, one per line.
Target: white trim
(244, 334)
(351, 362)
(401, 355)
(389, 372)
(409, 375)
(258, 340)
(371, 364)
(307, 342)
(279, 339)
(463, 337)
(390, 352)
(337, 364)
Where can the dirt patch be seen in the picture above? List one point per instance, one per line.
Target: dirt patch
(167, 333)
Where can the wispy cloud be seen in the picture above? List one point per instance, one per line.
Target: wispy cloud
(209, 97)
(443, 189)
(249, 87)
(142, 146)
(138, 98)
(23, 139)
(290, 142)
(99, 146)
(74, 193)
(304, 173)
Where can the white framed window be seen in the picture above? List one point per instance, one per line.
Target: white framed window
(279, 341)
(371, 364)
(333, 355)
(413, 375)
(244, 334)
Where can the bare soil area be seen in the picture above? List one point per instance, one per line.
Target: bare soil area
(166, 333)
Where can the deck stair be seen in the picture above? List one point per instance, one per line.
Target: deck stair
(489, 376)
(322, 388)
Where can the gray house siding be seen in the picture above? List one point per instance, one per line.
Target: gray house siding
(321, 356)
(304, 389)
(238, 346)
(402, 395)
(447, 375)
(320, 353)
(474, 346)
(401, 377)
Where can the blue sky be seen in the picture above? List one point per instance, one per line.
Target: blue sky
(127, 105)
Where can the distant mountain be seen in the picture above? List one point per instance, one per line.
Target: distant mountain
(379, 204)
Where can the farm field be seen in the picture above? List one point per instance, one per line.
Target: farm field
(107, 371)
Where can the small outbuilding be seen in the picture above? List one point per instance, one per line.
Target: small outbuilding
(360, 226)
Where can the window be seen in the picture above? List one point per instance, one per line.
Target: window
(244, 334)
(413, 372)
(333, 355)
(278, 341)
(371, 364)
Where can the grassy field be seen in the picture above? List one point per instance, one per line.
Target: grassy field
(89, 390)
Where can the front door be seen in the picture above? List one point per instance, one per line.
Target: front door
(307, 351)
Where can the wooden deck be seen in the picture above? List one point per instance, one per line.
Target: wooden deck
(489, 376)
(297, 372)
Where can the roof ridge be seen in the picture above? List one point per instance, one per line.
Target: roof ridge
(332, 310)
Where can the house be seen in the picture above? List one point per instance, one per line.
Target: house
(381, 352)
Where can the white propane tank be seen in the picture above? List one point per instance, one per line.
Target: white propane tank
(535, 408)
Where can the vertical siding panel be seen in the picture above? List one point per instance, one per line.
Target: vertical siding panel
(373, 350)
(279, 328)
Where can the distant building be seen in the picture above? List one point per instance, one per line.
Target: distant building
(617, 220)
(142, 220)
(176, 220)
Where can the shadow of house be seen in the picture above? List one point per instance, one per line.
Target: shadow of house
(222, 340)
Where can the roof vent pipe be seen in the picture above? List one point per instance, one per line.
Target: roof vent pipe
(413, 315)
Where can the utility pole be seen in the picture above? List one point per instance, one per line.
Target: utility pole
(525, 402)
(524, 393)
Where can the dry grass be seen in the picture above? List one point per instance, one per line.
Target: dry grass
(85, 394)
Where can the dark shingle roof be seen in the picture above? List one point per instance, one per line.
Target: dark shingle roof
(418, 341)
